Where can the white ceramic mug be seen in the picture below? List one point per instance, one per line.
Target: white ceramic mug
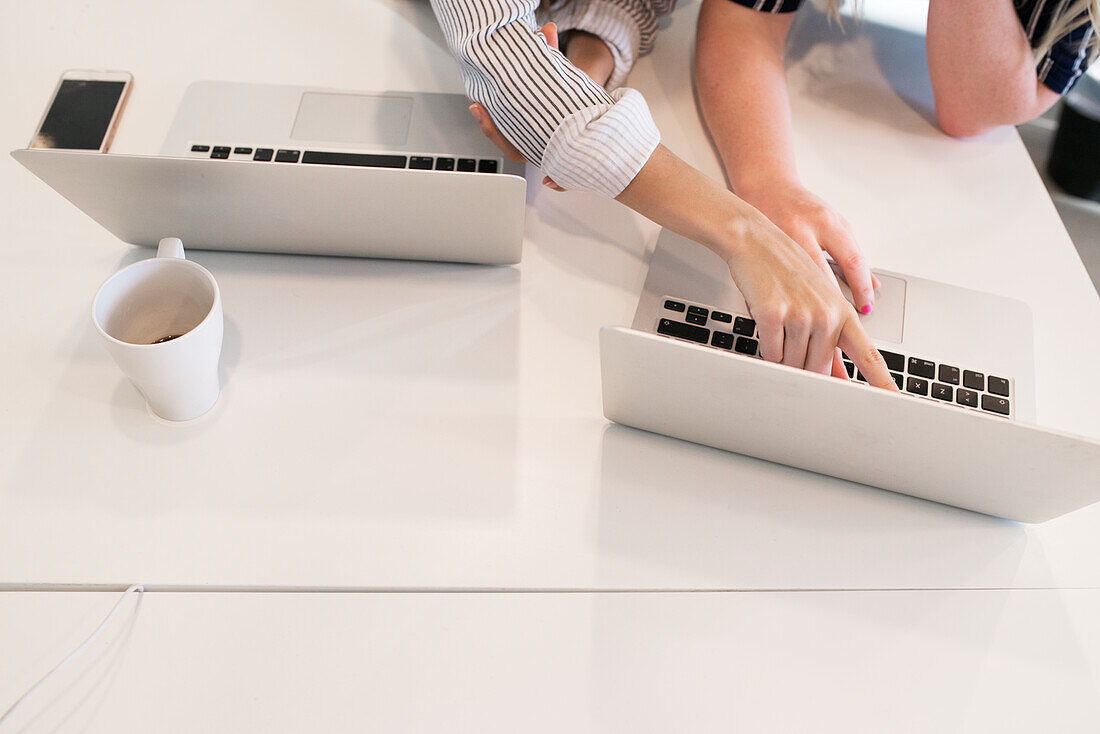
(161, 320)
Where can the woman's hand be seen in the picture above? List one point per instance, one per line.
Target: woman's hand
(800, 313)
(819, 230)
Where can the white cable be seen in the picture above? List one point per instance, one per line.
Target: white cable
(136, 587)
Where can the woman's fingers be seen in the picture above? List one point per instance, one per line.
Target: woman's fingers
(857, 345)
(771, 336)
(490, 130)
(838, 366)
(820, 352)
(797, 341)
(796, 337)
(839, 243)
(550, 33)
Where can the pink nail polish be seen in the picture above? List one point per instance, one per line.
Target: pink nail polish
(866, 309)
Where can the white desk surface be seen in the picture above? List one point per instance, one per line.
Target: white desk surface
(398, 425)
(964, 661)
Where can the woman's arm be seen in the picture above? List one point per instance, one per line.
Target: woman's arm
(555, 115)
(742, 90)
(801, 315)
(982, 67)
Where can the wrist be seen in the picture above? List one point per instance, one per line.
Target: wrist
(737, 232)
(762, 186)
(591, 54)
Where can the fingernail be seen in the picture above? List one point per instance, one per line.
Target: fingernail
(866, 309)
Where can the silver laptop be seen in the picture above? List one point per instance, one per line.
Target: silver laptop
(274, 168)
(959, 433)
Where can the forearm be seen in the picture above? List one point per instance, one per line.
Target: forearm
(982, 67)
(674, 195)
(742, 91)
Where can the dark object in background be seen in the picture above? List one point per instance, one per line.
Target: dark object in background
(1075, 156)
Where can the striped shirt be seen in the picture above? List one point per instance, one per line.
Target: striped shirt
(578, 133)
(1058, 69)
(585, 137)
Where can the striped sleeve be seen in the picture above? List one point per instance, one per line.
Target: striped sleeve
(628, 27)
(559, 119)
(1061, 66)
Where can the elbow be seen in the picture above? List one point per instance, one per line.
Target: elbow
(967, 116)
(961, 123)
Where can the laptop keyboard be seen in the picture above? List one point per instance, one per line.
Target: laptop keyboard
(330, 158)
(937, 381)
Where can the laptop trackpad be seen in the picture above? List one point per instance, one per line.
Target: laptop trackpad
(353, 118)
(886, 321)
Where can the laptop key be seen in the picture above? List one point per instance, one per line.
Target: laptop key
(695, 318)
(922, 368)
(974, 380)
(370, 160)
(675, 306)
(998, 386)
(743, 326)
(220, 151)
(897, 380)
(683, 331)
(969, 398)
(942, 392)
(722, 340)
(287, 156)
(421, 162)
(487, 165)
(994, 404)
(894, 362)
(242, 151)
(917, 386)
(263, 154)
(851, 369)
(467, 165)
(444, 164)
(746, 346)
(200, 148)
(949, 374)
(725, 318)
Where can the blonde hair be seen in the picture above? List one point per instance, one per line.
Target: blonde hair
(1074, 15)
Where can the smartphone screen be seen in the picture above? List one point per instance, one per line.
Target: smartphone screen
(80, 115)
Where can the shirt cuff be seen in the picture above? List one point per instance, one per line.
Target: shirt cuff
(602, 148)
(613, 25)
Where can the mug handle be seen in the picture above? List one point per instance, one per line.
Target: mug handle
(171, 247)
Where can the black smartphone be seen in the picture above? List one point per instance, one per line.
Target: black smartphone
(84, 110)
